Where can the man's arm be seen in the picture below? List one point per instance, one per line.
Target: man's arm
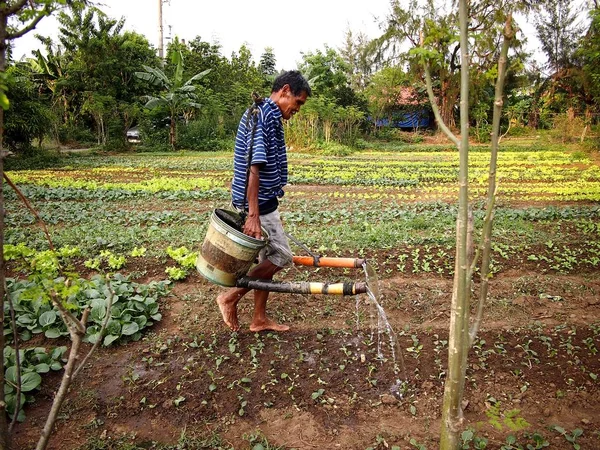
(252, 225)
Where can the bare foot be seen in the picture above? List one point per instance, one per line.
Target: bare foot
(267, 325)
(229, 312)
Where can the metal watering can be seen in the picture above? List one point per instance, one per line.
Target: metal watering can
(227, 255)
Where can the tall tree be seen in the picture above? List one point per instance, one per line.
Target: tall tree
(589, 53)
(358, 56)
(267, 63)
(461, 334)
(559, 29)
(406, 22)
(175, 94)
(102, 60)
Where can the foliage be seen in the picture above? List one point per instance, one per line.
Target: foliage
(558, 30)
(89, 77)
(134, 305)
(34, 361)
(186, 260)
(589, 52)
(177, 95)
(28, 118)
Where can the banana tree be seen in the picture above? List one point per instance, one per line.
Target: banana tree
(176, 94)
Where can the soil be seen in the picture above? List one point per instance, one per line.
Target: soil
(331, 381)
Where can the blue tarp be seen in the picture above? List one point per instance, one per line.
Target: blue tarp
(409, 119)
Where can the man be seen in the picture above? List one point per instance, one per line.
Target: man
(267, 177)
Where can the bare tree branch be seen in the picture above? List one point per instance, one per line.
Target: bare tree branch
(33, 211)
(436, 110)
(13, 322)
(28, 28)
(77, 331)
(102, 329)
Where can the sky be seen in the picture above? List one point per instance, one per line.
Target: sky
(289, 27)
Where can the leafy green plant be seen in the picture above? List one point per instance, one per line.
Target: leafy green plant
(176, 273)
(317, 394)
(570, 437)
(184, 257)
(186, 260)
(33, 361)
(138, 252)
(537, 442)
(134, 308)
(258, 441)
(468, 438)
(509, 418)
(108, 258)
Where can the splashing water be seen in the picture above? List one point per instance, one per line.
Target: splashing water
(383, 324)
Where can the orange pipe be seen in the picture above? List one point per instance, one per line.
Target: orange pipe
(328, 262)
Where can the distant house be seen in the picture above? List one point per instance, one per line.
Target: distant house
(411, 110)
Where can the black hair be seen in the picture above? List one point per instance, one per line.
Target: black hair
(295, 80)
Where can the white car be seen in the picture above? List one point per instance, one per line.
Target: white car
(133, 135)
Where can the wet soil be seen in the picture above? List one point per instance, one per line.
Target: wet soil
(331, 381)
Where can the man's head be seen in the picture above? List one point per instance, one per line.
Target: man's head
(290, 91)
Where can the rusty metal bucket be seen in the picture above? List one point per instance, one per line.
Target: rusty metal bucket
(227, 253)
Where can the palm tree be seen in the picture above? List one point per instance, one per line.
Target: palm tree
(176, 94)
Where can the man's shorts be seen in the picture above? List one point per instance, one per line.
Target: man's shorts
(278, 249)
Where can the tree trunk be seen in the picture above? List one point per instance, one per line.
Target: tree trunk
(172, 133)
(459, 316)
(4, 437)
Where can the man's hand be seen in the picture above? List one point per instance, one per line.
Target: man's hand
(252, 227)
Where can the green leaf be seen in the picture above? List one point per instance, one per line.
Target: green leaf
(52, 333)
(42, 368)
(113, 327)
(30, 381)
(93, 338)
(98, 313)
(130, 328)
(58, 352)
(4, 101)
(110, 339)
(47, 318)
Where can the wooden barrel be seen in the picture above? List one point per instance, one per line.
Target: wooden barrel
(227, 253)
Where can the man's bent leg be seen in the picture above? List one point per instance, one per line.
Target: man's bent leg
(227, 302)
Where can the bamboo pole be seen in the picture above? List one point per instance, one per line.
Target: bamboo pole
(351, 263)
(459, 323)
(303, 287)
(486, 239)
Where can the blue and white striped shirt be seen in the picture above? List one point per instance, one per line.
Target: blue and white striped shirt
(268, 151)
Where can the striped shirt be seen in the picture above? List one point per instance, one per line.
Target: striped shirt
(268, 151)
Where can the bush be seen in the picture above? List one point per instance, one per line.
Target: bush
(28, 118)
(567, 129)
(482, 133)
(73, 134)
(334, 149)
(198, 135)
(34, 160)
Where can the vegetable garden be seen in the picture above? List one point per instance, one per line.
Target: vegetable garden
(170, 375)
